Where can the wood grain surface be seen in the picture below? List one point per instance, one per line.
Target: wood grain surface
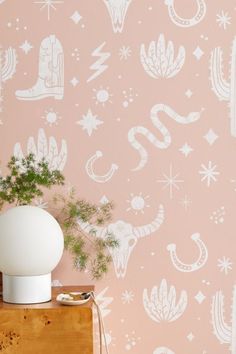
(47, 328)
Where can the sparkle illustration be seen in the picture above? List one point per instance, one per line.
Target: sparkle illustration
(49, 4)
(124, 53)
(129, 96)
(75, 54)
(40, 203)
(89, 122)
(209, 173)
(137, 203)
(223, 19)
(170, 182)
(102, 96)
(225, 265)
(211, 137)
(186, 149)
(185, 202)
(131, 341)
(127, 297)
(233, 181)
(51, 117)
(218, 216)
(198, 53)
(26, 47)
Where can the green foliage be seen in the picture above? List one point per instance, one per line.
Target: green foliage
(23, 184)
(89, 251)
(24, 180)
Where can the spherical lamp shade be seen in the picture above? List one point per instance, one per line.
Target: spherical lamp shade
(31, 246)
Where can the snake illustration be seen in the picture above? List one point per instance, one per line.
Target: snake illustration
(184, 22)
(90, 171)
(190, 118)
(199, 263)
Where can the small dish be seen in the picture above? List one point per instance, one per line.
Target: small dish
(68, 299)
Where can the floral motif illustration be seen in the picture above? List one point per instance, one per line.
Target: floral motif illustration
(162, 304)
(159, 60)
(45, 148)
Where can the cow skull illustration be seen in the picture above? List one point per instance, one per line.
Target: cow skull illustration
(117, 10)
(127, 235)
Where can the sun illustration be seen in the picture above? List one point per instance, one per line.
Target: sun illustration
(51, 117)
(102, 96)
(137, 203)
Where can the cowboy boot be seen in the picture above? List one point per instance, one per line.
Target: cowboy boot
(50, 82)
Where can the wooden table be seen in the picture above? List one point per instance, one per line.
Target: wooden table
(47, 328)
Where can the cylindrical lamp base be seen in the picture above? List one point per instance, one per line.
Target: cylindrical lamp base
(26, 289)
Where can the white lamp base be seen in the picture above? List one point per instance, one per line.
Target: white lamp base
(26, 290)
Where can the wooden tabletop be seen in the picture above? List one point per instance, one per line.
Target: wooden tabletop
(53, 303)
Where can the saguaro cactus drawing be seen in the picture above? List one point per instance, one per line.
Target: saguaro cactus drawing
(224, 332)
(225, 91)
(8, 61)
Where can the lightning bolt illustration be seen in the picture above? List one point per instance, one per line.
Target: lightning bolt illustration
(98, 65)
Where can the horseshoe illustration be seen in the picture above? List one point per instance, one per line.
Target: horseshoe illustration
(184, 22)
(99, 178)
(183, 267)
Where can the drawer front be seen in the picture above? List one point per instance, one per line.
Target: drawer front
(60, 330)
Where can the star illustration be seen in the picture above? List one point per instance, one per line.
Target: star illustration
(127, 297)
(170, 181)
(89, 122)
(223, 19)
(225, 265)
(209, 173)
(186, 149)
(26, 47)
(124, 53)
(49, 4)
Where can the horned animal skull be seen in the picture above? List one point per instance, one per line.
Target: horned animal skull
(117, 10)
(128, 236)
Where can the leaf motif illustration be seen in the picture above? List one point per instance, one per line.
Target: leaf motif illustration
(42, 145)
(18, 151)
(52, 153)
(31, 147)
(177, 64)
(161, 54)
(147, 62)
(150, 307)
(44, 149)
(162, 303)
(159, 60)
(180, 307)
(62, 156)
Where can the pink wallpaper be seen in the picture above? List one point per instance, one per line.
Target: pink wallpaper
(136, 102)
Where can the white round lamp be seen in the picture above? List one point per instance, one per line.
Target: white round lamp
(31, 246)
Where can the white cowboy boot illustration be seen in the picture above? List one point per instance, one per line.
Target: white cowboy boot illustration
(50, 82)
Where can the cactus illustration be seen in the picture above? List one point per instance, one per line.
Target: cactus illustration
(162, 304)
(225, 334)
(159, 60)
(225, 91)
(8, 61)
